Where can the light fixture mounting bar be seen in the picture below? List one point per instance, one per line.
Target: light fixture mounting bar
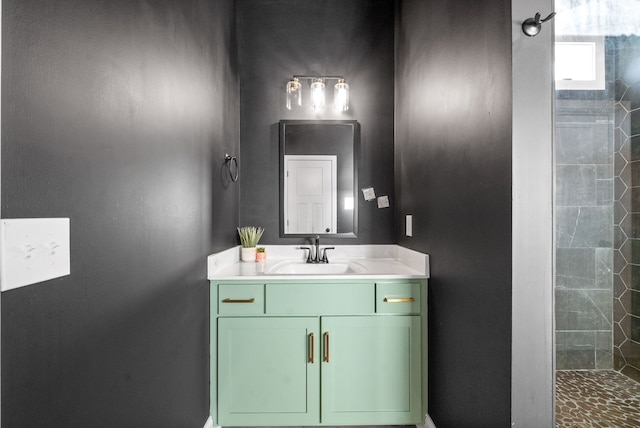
(300, 76)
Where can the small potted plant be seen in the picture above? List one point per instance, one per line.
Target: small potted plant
(261, 254)
(249, 237)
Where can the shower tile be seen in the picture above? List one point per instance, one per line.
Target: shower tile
(576, 360)
(583, 143)
(631, 352)
(604, 172)
(619, 190)
(626, 175)
(621, 88)
(625, 225)
(619, 312)
(635, 174)
(620, 115)
(626, 251)
(626, 275)
(575, 340)
(618, 286)
(635, 278)
(618, 139)
(635, 251)
(618, 359)
(632, 372)
(602, 301)
(619, 237)
(604, 192)
(634, 145)
(575, 185)
(583, 310)
(619, 212)
(625, 300)
(619, 163)
(593, 228)
(596, 399)
(631, 123)
(604, 268)
(604, 350)
(635, 303)
(635, 330)
(575, 350)
(625, 326)
(575, 267)
(635, 225)
(632, 95)
(635, 200)
(566, 220)
(618, 336)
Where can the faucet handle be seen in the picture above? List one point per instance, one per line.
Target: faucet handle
(324, 254)
(308, 254)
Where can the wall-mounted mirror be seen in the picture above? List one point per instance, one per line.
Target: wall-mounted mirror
(318, 177)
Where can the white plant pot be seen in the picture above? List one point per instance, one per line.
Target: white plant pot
(248, 254)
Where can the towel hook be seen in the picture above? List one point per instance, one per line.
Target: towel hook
(228, 159)
(531, 26)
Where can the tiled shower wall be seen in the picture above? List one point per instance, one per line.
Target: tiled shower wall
(584, 232)
(626, 307)
(584, 146)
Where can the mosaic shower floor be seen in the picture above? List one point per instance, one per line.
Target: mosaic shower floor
(602, 399)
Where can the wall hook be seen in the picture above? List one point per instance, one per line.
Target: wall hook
(531, 26)
(228, 159)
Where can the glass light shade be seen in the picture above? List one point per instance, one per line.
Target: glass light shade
(341, 96)
(294, 93)
(317, 94)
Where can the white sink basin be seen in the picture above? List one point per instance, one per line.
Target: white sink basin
(291, 267)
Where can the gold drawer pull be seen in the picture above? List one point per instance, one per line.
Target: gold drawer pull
(399, 300)
(312, 351)
(251, 300)
(326, 347)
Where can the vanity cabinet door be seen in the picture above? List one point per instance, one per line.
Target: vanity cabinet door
(268, 371)
(371, 370)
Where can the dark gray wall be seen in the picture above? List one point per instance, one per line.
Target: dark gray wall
(280, 38)
(117, 115)
(453, 173)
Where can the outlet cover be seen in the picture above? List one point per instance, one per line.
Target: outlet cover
(33, 250)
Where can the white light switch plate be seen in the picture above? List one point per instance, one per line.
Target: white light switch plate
(33, 250)
(409, 225)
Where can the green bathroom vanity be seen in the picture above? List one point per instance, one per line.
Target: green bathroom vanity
(318, 351)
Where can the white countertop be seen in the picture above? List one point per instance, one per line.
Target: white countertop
(380, 261)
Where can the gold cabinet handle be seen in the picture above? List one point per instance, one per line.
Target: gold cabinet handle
(326, 346)
(312, 351)
(399, 300)
(251, 300)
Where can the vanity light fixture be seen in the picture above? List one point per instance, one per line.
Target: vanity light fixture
(341, 95)
(317, 86)
(317, 94)
(294, 93)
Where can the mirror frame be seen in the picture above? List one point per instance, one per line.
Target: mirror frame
(356, 155)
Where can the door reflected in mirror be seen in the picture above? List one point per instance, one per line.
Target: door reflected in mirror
(318, 177)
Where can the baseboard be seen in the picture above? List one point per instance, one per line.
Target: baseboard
(428, 423)
(209, 423)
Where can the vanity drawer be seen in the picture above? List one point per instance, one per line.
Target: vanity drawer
(241, 299)
(324, 298)
(398, 297)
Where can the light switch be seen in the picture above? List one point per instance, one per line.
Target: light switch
(409, 225)
(33, 250)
